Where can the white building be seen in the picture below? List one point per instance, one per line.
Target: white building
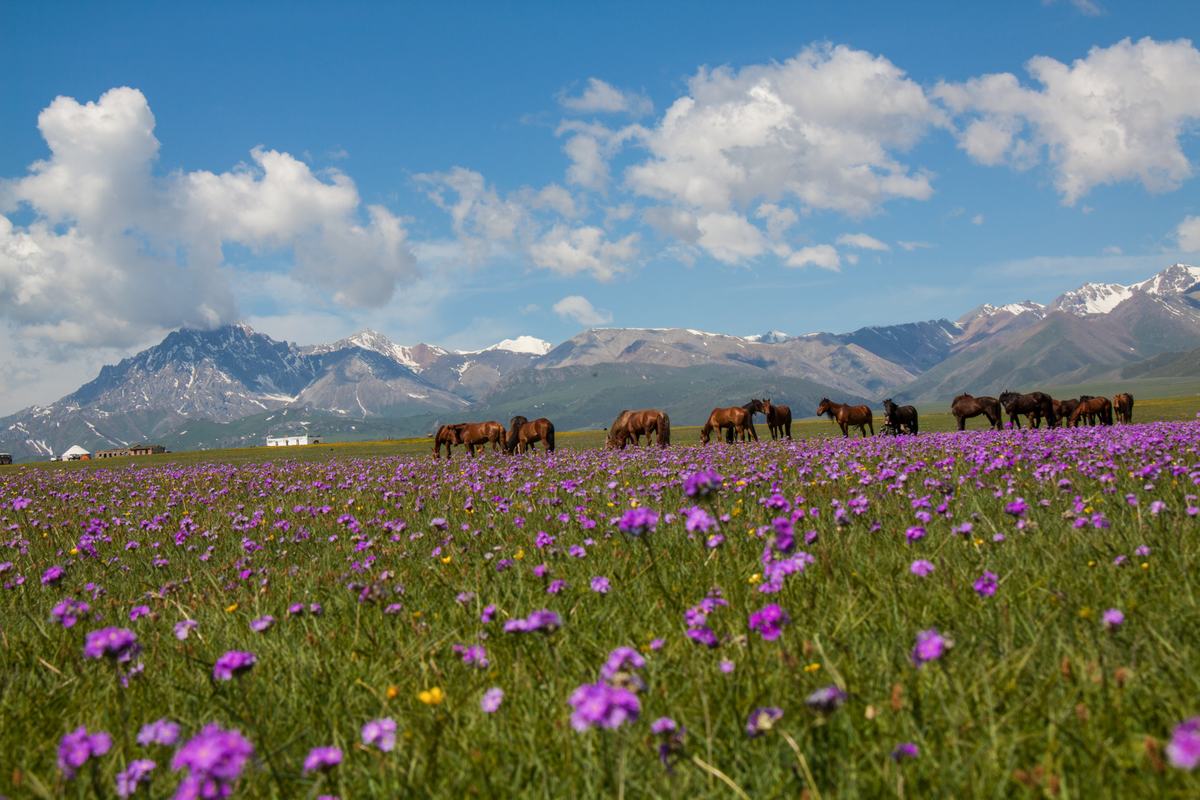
(75, 453)
(289, 441)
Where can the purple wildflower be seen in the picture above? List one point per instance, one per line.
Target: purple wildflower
(134, 775)
(985, 584)
(321, 759)
(67, 612)
(702, 484)
(769, 621)
(491, 700)
(119, 644)
(53, 575)
(137, 612)
(603, 706)
(161, 731)
(915, 533)
(762, 720)
(1016, 508)
(600, 584)
(78, 746)
(262, 623)
(184, 627)
(623, 659)
(543, 620)
(1183, 751)
(1112, 619)
(488, 614)
(214, 759)
(380, 733)
(638, 521)
(930, 646)
(827, 699)
(232, 663)
(921, 568)
(905, 750)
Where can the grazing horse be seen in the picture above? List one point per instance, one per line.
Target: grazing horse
(779, 420)
(966, 406)
(447, 435)
(636, 424)
(1034, 405)
(900, 418)
(847, 416)
(737, 419)
(1063, 409)
(1123, 406)
(522, 434)
(471, 434)
(1099, 407)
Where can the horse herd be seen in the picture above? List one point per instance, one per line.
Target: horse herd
(737, 422)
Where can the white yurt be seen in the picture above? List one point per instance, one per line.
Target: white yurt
(75, 453)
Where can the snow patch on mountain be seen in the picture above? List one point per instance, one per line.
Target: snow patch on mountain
(521, 344)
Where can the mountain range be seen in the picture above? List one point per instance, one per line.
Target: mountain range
(232, 385)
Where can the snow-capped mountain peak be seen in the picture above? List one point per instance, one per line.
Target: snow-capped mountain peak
(1015, 309)
(1092, 298)
(521, 344)
(1175, 279)
(770, 337)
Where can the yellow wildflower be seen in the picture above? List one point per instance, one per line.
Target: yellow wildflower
(754, 579)
(392, 692)
(813, 667)
(232, 607)
(432, 697)
(520, 554)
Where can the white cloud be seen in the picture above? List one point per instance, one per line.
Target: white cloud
(601, 97)
(911, 246)
(581, 310)
(823, 128)
(1188, 235)
(482, 220)
(862, 241)
(1116, 115)
(729, 237)
(977, 219)
(822, 255)
(583, 249)
(114, 253)
(1089, 8)
(1113, 250)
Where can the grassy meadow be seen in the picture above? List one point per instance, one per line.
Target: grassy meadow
(773, 602)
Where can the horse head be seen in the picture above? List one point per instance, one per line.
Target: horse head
(825, 407)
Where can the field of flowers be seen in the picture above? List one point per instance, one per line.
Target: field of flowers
(989, 614)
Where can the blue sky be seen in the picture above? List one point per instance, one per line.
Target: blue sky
(797, 166)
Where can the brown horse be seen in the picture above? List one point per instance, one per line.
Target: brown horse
(523, 434)
(471, 434)
(847, 416)
(1123, 406)
(1034, 405)
(1099, 407)
(1063, 409)
(636, 424)
(779, 420)
(738, 420)
(447, 435)
(966, 406)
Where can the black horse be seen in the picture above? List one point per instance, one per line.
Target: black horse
(901, 419)
(1034, 405)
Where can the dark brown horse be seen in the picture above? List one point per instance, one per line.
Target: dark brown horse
(900, 418)
(1094, 407)
(1123, 406)
(847, 416)
(1034, 405)
(966, 406)
(1063, 409)
(636, 424)
(779, 419)
(523, 434)
(736, 419)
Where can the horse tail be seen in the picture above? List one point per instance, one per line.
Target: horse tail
(664, 431)
(549, 436)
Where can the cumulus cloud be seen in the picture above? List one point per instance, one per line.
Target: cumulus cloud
(599, 97)
(1116, 115)
(824, 256)
(823, 129)
(1187, 234)
(581, 310)
(113, 251)
(583, 249)
(911, 246)
(862, 241)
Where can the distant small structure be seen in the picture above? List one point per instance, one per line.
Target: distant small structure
(5, 458)
(75, 453)
(133, 450)
(291, 441)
